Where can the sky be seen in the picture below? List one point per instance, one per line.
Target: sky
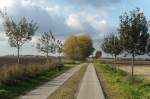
(96, 18)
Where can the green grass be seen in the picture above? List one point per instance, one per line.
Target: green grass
(70, 88)
(118, 85)
(13, 91)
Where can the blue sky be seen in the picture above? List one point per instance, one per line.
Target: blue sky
(65, 17)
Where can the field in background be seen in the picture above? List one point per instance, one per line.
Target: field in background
(141, 67)
(144, 62)
(23, 60)
(139, 70)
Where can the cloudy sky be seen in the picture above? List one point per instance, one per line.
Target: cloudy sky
(65, 17)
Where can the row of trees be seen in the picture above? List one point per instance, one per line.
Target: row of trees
(20, 32)
(75, 47)
(132, 36)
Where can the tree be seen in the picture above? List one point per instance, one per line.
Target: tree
(47, 44)
(98, 54)
(85, 46)
(70, 47)
(112, 45)
(133, 31)
(78, 47)
(59, 48)
(19, 33)
(148, 47)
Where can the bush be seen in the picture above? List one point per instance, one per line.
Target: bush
(59, 66)
(12, 74)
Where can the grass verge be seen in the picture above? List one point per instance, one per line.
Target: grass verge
(118, 85)
(70, 88)
(12, 92)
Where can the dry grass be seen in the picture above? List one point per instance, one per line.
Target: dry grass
(27, 84)
(14, 73)
(70, 88)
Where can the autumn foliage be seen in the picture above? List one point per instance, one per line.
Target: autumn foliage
(78, 47)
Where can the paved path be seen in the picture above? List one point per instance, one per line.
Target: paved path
(90, 86)
(48, 88)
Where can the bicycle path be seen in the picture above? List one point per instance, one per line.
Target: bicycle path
(90, 85)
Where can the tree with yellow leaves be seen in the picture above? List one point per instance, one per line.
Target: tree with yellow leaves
(78, 47)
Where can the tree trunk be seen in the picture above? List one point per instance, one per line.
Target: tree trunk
(115, 67)
(132, 72)
(59, 58)
(18, 55)
(47, 57)
(115, 62)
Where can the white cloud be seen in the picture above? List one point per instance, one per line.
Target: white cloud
(54, 16)
(10, 5)
(3, 36)
(33, 2)
(99, 25)
(35, 40)
(61, 19)
(96, 23)
(6, 3)
(94, 3)
(73, 22)
(89, 18)
(53, 10)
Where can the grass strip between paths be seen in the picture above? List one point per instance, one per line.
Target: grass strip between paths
(118, 85)
(11, 92)
(70, 88)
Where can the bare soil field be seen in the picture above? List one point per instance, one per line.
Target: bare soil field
(125, 61)
(139, 70)
(8, 61)
(141, 67)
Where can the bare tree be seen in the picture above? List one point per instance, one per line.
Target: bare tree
(112, 45)
(47, 44)
(18, 32)
(59, 48)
